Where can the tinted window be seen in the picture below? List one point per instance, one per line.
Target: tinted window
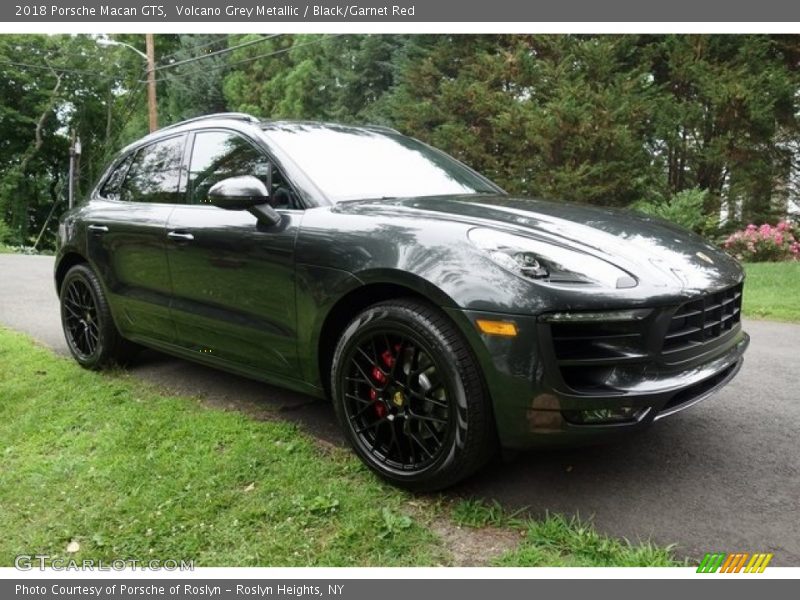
(155, 173)
(281, 194)
(111, 188)
(348, 163)
(218, 155)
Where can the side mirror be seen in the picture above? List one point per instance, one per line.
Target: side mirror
(244, 193)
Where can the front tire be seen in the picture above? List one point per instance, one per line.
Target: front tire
(410, 397)
(89, 329)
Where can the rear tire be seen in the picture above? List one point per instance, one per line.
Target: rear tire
(89, 329)
(410, 397)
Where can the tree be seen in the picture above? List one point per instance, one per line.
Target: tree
(725, 101)
(32, 91)
(340, 78)
(553, 116)
(52, 87)
(195, 88)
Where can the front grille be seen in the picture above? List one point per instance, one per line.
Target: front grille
(702, 320)
(597, 357)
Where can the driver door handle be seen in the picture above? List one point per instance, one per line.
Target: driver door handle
(180, 236)
(97, 228)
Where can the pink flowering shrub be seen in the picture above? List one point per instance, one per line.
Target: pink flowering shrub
(765, 243)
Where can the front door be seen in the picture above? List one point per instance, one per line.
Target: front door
(232, 278)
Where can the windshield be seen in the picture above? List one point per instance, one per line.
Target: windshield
(350, 163)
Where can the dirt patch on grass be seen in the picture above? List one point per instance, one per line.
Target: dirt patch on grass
(474, 547)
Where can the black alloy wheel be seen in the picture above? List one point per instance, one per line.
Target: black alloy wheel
(89, 329)
(80, 319)
(409, 396)
(397, 400)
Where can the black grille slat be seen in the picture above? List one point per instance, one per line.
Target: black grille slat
(683, 333)
(596, 343)
(598, 337)
(588, 353)
(704, 319)
(585, 351)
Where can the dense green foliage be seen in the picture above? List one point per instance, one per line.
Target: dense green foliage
(658, 120)
(686, 208)
(52, 87)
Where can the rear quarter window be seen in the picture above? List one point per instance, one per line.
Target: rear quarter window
(155, 173)
(113, 184)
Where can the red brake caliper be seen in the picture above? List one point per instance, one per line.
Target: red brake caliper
(378, 375)
(380, 379)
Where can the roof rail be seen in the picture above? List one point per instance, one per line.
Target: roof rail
(383, 128)
(238, 116)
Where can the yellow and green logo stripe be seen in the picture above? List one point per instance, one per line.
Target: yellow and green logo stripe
(737, 562)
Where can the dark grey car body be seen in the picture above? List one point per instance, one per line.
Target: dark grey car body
(270, 301)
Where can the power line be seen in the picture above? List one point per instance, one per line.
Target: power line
(246, 60)
(158, 68)
(129, 108)
(216, 52)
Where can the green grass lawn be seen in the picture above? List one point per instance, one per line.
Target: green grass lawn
(772, 291)
(126, 471)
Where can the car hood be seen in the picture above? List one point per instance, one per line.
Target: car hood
(656, 252)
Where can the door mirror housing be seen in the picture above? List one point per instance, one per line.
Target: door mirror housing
(238, 193)
(244, 193)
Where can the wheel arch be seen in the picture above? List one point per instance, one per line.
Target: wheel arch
(376, 286)
(65, 263)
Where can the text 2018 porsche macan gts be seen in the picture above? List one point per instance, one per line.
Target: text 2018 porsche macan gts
(443, 317)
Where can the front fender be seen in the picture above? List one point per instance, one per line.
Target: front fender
(432, 257)
(414, 282)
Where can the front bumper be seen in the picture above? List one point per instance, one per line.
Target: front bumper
(539, 401)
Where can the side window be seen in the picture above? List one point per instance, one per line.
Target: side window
(281, 194)
(217, 155)
(155, 173)
(113, 185)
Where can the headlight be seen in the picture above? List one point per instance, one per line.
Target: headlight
(543, 261)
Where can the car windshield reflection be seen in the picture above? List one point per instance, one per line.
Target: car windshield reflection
(357, 164)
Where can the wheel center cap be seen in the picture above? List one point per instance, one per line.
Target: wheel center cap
(398, 399)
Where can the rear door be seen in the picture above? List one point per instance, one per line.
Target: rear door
(126, 233)
(233, 278)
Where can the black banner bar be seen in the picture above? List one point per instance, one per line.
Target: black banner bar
(383, 589)
(255, 11)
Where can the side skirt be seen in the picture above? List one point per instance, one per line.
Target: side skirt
(296, 385)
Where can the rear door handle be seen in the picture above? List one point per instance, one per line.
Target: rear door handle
(180, 236)
(97, 228)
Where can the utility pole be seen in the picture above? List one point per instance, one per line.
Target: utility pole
(150, 60)
(151, 81)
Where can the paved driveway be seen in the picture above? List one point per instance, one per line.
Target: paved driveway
(722, 476)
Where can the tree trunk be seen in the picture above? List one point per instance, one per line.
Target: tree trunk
(38, 139)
